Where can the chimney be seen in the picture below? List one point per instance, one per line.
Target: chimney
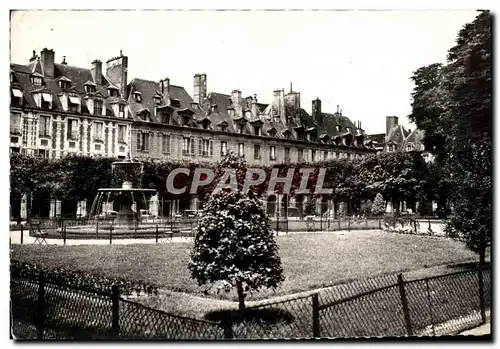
(254, 105)
(34, 57)
(390, 122)
(165, 87)
(116, 72)
(64, 61)
(47, 60)
(96, 71)
(316, 111)
(338, 109)
(279, 103)
(200, 87)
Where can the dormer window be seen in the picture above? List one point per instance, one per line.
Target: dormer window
(248, 114)
(272, 133)
(240, 128)
(46, 101)
(289, 120)
(113, 92)
(97, 107)
(90, 88)
(165, 118)
(74, 104)
(194, 105)
(17, 97)
(176, 103)
(223, 127)
(138, 96)
(12, 76)
(256, 130)
(64, 84)
(348, 129)
(157, 100)
(36, 80)
(205, 124)
(121, 110)
(301, 136)
(185, 120)
(409, 147)
(231, 112)
(287, 134)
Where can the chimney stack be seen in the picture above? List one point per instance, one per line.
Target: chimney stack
(64, 61)
(200, 87)
(390, 122)
(316, 111)
(116, 72)
(165, 87)
(96, 71)
(47, 59)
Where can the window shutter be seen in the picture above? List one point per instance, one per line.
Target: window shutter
(211, 148)
(138, 141)
(200, 146)
(146, 141)
(192, 146)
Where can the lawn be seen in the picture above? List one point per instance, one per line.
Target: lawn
(309, 260)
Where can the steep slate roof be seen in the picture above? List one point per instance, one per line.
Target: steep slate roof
(150, 89)
(397, 134)
(416, 138)
(78, 76)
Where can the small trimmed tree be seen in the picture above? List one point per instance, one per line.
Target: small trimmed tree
(310, 209)
(234, 246)
(378, 207)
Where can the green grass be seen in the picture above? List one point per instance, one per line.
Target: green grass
(309, 260)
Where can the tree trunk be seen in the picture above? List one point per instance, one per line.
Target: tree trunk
(241, 296)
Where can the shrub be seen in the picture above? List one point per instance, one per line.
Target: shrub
(378, 207)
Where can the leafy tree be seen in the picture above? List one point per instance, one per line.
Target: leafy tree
(378, 207)
(234, 245)
(310, 209)
(454, 106)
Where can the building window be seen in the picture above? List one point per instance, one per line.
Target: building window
(338, 128)
(98, 126)
(325, 155)
(73, 104)
(301, 154)
(17, 97)
(166, 144)
(240, 128)
(157, 100)
(223, 148)
(72, 132)
(138, 97)
(223, 128)
(185, 120)
(89, 88)
(272, 153)
(46, 101)
(287, 134)
(122, 133)
(287, 155)
(206, 147)
(256, 151)
(121, 110)
(409, 147)
(272, 133)
(36, 80)
(301, 136)
(313, 155)
(165, 118)
(241, 150)
(15, 123)
(64, 84)
(256, 130)
(44, 127)
(97, 107)
(188, 146)
(205, 124)
(113, 92)
(143, 141)
(43, 153)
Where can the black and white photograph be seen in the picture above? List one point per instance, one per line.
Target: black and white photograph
(250, 174)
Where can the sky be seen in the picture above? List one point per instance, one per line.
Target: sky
(359, 60)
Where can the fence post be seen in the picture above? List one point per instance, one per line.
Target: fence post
(339, 222)
(41, 305)
(115, 310)
(64, 234)
(429, 300)
(366, 222)
(227, 324)
(404, 303)
(110, 234)
(481, 295)
(379, 224)
(97, 227)
(22, 233)
(156, 232)
(349, 224)
(315, 314)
